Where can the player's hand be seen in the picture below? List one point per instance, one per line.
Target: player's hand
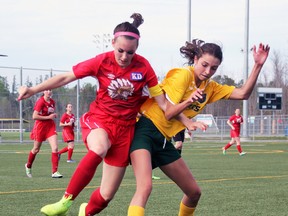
(53, 115)
(261, 54)
(178, 145)
(24, 92)
(200, 125)
(197, 95)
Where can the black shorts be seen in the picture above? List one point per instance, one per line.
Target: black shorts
(180, 136)
(148, 137)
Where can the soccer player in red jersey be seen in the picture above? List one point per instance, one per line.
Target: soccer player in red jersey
(235, 122)
(44, 129)
(108, 127)
(67, 122)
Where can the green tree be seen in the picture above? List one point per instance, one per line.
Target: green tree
(87, 95)
(5, 110)
(223, 107)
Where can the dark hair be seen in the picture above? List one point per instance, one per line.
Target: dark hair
(130, 27)
(198, 48)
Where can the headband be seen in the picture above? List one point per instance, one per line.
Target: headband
(131, 34)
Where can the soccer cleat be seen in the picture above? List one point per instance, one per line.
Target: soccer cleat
(242, 153)
(82, 209)
(224, 151)
(59, 208)
(57, 175)
(71, 161)
(155, 177)
(28, 171)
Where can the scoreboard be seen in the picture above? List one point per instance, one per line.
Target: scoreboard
(269, 98)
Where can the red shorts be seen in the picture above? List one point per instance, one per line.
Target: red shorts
(120, 134)
(234, 133)
(43, 130)
(68, 135)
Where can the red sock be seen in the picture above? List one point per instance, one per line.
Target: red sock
(65, 149)
(96, 203)
(83, 174)
(227, 146)
(70, 152)
(31, 158)
(55, 161)
(239, 148)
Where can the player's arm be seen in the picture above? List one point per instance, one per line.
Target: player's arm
(157, 93)
(189, 124)
(61, 124)
(176, 111)
(52, 83)
(162, 103)
(229, 123)
(36, 116)
(260, 57)
(173, 110)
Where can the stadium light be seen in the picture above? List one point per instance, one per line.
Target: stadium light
(189, 21)
(245, 77)
(102, 41)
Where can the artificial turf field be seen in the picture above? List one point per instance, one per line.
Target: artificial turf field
(232, 185)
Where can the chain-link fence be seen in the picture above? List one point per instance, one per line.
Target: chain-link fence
(16, 117)
(259, 127)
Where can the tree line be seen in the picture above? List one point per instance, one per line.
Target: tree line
(10, 106)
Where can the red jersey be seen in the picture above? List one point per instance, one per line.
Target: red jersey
(68, 131)
(120, 89)
(43, 129)
(44, 108)
(236, 121)
(66, 118)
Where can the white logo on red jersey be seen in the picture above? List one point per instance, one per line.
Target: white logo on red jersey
(50, 110)
(120, 89)
(136, 76)
(111, 76)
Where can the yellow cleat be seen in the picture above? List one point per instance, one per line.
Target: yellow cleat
(59, 208)
(82, 209)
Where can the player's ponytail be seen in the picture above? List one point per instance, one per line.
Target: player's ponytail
(129, 30)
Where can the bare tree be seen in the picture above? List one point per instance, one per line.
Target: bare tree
(279, 79)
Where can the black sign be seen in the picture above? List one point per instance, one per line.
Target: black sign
(270, 101)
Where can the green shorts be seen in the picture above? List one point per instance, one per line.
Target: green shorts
(148, 137)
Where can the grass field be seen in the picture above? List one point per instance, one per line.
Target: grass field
(255, 184)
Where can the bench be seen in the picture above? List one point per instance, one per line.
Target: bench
(11, 130)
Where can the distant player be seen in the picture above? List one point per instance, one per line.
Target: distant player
(235, 122)
(67, 122)
(44, 129)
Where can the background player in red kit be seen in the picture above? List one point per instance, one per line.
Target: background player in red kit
(67, 122)
(235, 122)
(44, 129)
(108, 127)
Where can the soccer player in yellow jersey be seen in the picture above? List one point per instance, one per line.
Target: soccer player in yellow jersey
(187, 91)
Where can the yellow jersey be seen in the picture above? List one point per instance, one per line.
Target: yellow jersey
(178, 85)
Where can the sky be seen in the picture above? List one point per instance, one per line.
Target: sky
(58, 34)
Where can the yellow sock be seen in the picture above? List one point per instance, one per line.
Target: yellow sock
(136, 211)
(185, 210)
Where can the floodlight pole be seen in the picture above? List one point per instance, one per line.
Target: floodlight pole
(21, 108)
(78, 108)
(189, 21)
(246, 57)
